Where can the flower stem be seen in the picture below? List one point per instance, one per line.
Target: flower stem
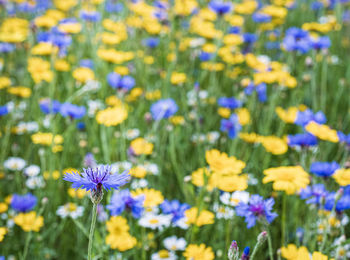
(92, 229)
(269, 242)
(283, 222)
(26, 247)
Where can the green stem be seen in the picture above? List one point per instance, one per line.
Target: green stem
(92, 229)
(269, 242)
(26, 247)
(283, 223)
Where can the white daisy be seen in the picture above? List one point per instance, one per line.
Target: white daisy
(181, 223)
(139, 183)
(32, 170)
(15, 164)
(223, 212)
(164, 255)
(70, 210)
(175, 244)
(153, 221)
(132, 133)
(232, 199)
(35, 182)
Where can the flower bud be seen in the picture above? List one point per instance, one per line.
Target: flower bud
(262, 237)
(96, 195)
(233, 252)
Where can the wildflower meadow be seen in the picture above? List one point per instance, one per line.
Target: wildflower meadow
(174, 129)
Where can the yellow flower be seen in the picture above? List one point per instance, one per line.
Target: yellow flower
(46, 138)
(243, 116)
(65, 5)
(122, 242)
(113, 101)
(4, 82)
(274, 145)
(177, 120)
(291, 252)
(224, 112)
(39, 70)
(62, 65)
(3, 232)
(77, 193)
(44, 48)
(198, 252)
(122, 70)
(178, 78)
(20, 91)
(3, 207)
(153, 95)
(185, 7)
(112, 116)
(83, 74)
(141, 146)
(289, 115)
(202, 176)
(117, 225)
(138, 172)
(222, 163)
(14, 30)
(72, 28)
(287, 178)
(230, 183)
(249, 137)
(323, 132)
(342, 177)
(152, 197)
(204, 217)
(29, 221)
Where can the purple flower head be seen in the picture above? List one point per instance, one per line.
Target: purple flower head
(163, 108)
(23, 203)
(324, 169)
(72, 111)
(220, 7)
(256, 209)
(314, 194)
(96, 178)
(303, 140)
(175, 208)
(229, 102)
(123, 201)
(231, 126)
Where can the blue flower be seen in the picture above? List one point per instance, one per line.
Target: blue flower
(261, 18)
(163, 108)
(151, 42)
(256, 209)
(205, 56)
(87, 63)
(175, 208)
(229, 102)
(245, 255)
(342, 204)
(321, 43)
(90, 16)
(314, 194)
(23, 203)
(231, 126)
(50, 106)
(111, 6)
(72, 111)
(297, 39)
(324, 169)
(6, 47)
(343, 138)
(94, 179)
(259, 89)
(118, 82)
(304, 140)
(306, 116)
(220, 7)
(4, 110)
(123, 200)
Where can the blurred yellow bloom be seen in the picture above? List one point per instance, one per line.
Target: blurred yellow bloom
(118, 236)
(112, 116)
(152, 197)
(178, 78)
(62, 65)
(3, 207)
(20, 91)
(287, 178)
(141, 146)
(177, 120)
(44, 48)
(14, 30)
(222, 163)
(249, 137)
(274, 144)
(204, 217)
(4, 82)
(291, 252)
(46, 138)
(198, 252)
(342, 177)
(224, 112)
(230, 183)
(3, 232)
(77, 193)
(39, 69)
(201, 177)
(324, 132)
(289, 115)
(65, 5)
(83, 74)
(243, 116)
(185, 7)
(29, 221)
(138, 172)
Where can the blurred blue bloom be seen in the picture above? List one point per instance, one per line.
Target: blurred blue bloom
(123, 200)
(151, 42)
(343, 138)
(112, 6)
(72, 111)
(80, 125)
(47, 106)
(297, 39)
(316, 5)
(342, 204)
(306, 116)
(204, 56)
(220, 7)
(304, 140)
(257, 208)
(89, 161)
(163, 108)
(249, 37)
(229, 102)
(87, 63)
(315, 194)
(175, 208)
(231, 126)
(261, 18)
(259, 89)
(23, 203)
(234, 30)
(6, 47)
(95, 179)
(90, 16)
(245, 254)
(4, 110)
(320, 43)
(324, 169)
(118, 82)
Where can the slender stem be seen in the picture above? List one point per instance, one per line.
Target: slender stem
(255, 250)
(92, 229)
(269, 242)
(283, 223)
(26, 247)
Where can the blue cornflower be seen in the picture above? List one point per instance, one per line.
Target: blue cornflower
(220, 7)
(175, 208)
(297, 39)
(6, 47)
(151, 42)
(343, 138)
(87, 63)
(303, 140)
(256, 209)
(123, 200)
(261, 18)
(229, 102)
(342, 204)
(72, 111)
(324, 169)
(320, 43)
(163, 108)
(90, 16)
(245, 255)
(205, 56)
(315, 194)
(48, 106)
(4, 110)
(118, 82)
(95, 179)
(111, 6)
(23, 203)
(234, 30)
(306, 116)
(231, 126)
(249, 37)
